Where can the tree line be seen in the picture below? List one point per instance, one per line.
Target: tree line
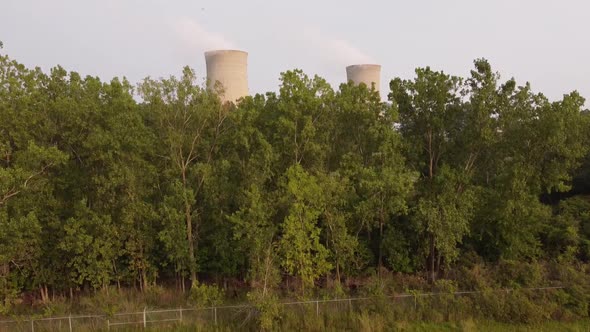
(110, 183)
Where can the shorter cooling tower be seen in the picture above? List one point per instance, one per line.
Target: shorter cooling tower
(228, 70)
(368, 74)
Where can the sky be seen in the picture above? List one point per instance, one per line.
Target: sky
(544, 42)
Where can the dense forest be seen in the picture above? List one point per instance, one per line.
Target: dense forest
(111, 184)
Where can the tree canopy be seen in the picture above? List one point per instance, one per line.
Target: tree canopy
(110, 183)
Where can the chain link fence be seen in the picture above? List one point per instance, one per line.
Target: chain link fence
(237, 314)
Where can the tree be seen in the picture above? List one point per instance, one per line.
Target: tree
(98, 189)
(431, 111)
(255, 223)
(298, 127)
(190, 122)
(28, 160)
(301, 251)
(257, 233)
(368, 152)
(336, 219)
(527, 152)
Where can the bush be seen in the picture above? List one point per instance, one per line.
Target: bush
(514, 274)
(106, 301)
(370, 322)
(268, 309)
(476, 277)
(8, 297)
(202, 295)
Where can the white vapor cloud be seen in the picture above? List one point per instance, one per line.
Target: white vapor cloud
(347, 53)
(195, 38)
(335, 50)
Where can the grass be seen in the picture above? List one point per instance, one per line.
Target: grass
(462, 326)
(491, 326)
(300, 319)
(489, 309)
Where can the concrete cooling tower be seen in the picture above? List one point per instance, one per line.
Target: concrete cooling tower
(229, 69)
(368, 74)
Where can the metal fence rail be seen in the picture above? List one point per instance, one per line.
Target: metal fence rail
(147, 317)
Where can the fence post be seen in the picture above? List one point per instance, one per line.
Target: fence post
(350, 304)
(144, 319)
(32, 325)
(215, 314)
(108, 324)
(317, 308)
(180, 312)
(70, 321)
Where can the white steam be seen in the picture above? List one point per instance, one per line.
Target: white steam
(335, 50)
(347, 54)
(195, 38)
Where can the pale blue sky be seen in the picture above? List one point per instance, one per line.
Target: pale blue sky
(544, 42)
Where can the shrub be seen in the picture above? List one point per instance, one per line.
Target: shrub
(514, 274)
(268, 309)
(202, 295)
(8, 296)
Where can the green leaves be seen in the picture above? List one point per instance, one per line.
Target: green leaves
(98, 186)
(431, 123)
(445, 211)
(190, 123)
(92, 243)
(19, 238)
(303, 254)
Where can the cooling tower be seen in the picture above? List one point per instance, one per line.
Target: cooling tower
(368, 74)
(230, 69)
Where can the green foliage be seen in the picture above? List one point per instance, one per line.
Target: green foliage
(202, 295)
(9, 295)
(106, 184)
(254, 229)
(90, 241)
(567, 236)
(430, 119)
(189, 122)
(302, 253)
(396, 249)
(268, 309)
(446, 212)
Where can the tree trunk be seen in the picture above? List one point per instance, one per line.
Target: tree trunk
(380, 260)
(432, 260)
(267, 267)
(438, 261)
(189, 231)
(430, 155)
(191, 244)
(44, 294)
(144, 280)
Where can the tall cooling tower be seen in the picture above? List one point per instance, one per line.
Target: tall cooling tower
(230, 69)
(368, 74)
